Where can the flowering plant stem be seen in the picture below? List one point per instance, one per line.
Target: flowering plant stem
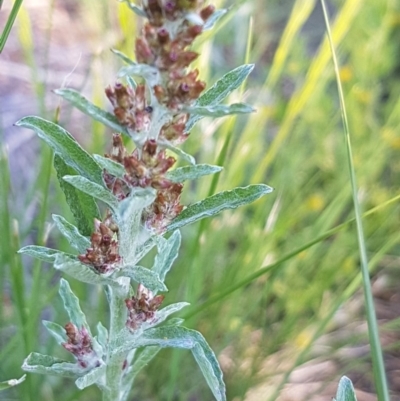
(156, 102)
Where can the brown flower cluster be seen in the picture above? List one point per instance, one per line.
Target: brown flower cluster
(103, 255)
(80, 345)
(142, 308)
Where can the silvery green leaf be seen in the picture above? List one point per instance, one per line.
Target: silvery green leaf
(219, 202)
(179, 152)
(176, 321)
(345, 391)
(167, 253)
(11, 383)
(65, 145)
(88, 108)
(110, 165)
(48, 365)
(181, 337)
(137, 10)
(71, 233)
(149, 73)
(93, 189)
(144, 276)
(164, 313)
(96, 375)
(41, 253)
(71, 305)
(144, 249)
(182, 174)
(129, 220)
(82, 206)
(221, 110)
(123, 57)
(102, 335)
(56, 331)
(213, 19)
(140, 362)
(220, 90)
(82, 272)
(131, 82)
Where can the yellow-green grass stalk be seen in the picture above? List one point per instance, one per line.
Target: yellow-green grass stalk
(376, 349)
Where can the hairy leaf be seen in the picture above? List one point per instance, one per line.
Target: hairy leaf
(71, 233)
(82, 206)
(93, 189)
(111, 166)
(145, 276)
(82, 272)
(137, 10)
(181, 337)
(211, 21)
(71, 305)
(345, 391)
(219, 202)
(221, 110)
(182, 174)
(65, 145)
(220, 90)
(94, 376)
(48, 365)
(41, 253)
(179, 152)
(167, 253)
(56, 331)
(123, 57)
(85, 106)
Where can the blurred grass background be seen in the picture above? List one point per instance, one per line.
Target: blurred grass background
(294, 143)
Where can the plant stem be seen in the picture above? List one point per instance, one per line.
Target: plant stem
(114, 371)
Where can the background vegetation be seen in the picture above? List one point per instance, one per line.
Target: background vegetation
(293, 143)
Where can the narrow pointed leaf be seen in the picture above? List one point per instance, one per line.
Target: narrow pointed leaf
(93, 189)
(181, 337)
(11, 383)
(102, 335)
(71, 233)
(164, 313)
(179, 152)
(56, 331)
(94, 376)
(345, 391)
(137, 10)
(129, 220)
(182, 174)
(41, 253)
(65, 145)
(220, 90)
(82, 206)
(48, 365)
(211, 21)
(111, 166)
(85, 106)
(71, 305)
(221, 110)
(144, 276)
(123, 57)
(143, 360)
(219, 202)
(82, 272)
(167, 253)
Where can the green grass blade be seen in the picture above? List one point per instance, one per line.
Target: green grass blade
(376, 349)
(9, 23)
